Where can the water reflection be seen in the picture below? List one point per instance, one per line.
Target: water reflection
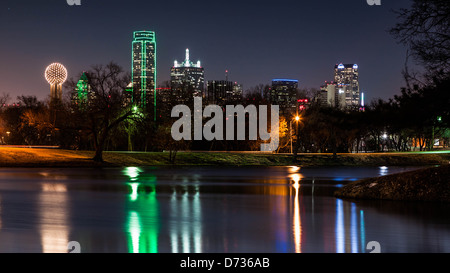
(53, 204)
(1, 216)
(186, 227)
(384, 170)
(293, 201)
(144, 215)
(143, 219)
(297, 227)
(143, 223)
(350, 228)
(186, 217)
(208, 210)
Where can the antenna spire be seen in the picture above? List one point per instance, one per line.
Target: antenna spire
(187, 55)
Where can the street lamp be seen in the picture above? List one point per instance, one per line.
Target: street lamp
(297, 119)
(7, 138)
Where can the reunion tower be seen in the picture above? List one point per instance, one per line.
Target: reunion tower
(56, 75)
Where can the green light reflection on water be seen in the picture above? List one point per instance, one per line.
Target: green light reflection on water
(143, 220)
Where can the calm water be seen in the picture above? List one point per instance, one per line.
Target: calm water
(209, 210)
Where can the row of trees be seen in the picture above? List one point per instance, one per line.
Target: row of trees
(411, 120)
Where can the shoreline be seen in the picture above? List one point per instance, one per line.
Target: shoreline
(56, 158)
(424, 185)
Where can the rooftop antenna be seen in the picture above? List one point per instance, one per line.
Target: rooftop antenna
(226, 75)
(187, 54)
(187, 62)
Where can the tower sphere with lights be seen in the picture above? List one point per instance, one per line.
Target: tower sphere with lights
(56, 75)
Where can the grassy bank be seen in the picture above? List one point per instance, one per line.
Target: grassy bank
(431, 184)
(23, 157)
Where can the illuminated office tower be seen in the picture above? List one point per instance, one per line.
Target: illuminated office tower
(224, 93)
(284, 94)
(237, 94)
(346, 77)
(82, 95)
(187, 80)
(219, 92)
(334, 95)
(144, 70)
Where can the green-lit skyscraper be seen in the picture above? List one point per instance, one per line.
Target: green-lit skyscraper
(82, 95)
(144, 70)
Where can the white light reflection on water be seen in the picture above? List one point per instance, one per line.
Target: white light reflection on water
(134, 191)
(186, 227)
(354, 229)
(135, 229)
(297, 221)
(340, 236)
(53, 201)
(348, 239)
(132, 172)
(384, 170)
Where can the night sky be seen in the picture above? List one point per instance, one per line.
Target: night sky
(256, 41)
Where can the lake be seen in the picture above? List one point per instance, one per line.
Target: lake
(210, 210)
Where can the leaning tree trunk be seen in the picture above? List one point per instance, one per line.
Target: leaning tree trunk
(98, 155)
(98, 145)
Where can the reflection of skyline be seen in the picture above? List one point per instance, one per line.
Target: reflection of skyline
(150, 211)
(144, 215)
(53, 201)
(186, 229)
(350, 228)
(349, 232)
(297, 221)
(143, 222)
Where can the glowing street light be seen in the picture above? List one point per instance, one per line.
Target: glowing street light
(297, 119)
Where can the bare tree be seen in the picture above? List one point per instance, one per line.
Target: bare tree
(106, 108)
(165, 142)
(425, 29)
(4, 98)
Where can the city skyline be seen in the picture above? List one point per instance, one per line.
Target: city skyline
(286, 52)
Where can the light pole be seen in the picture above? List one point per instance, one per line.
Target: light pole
(297, 119)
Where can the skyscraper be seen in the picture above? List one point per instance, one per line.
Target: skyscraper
(224, 93)
(346, 76)
(144, 70)
(284, 94)
(82, 95)
(219, 92)
(334, 95)
(187, 80)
